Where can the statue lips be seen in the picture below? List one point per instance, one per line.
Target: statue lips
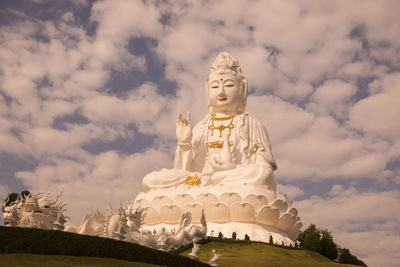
(222, 99)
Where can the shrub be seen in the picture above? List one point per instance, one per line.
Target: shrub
(220, 235)
(347, 258)
(328, 248)
(271, 240)
(246, 237)
(47, 242)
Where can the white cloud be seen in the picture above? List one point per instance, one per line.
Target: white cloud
(291, 191)
(96, 180)
(366, 222)
(378, 114)
(334, 96)
(4, 190)
(310, 62)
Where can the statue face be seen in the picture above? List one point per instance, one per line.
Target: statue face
(224, 92)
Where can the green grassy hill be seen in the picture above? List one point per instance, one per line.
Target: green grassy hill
(34, 260)
(257, 254)
(52, 242)
(36, 247)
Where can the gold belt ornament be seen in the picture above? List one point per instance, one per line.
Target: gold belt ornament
(218, 144)
(192, 180)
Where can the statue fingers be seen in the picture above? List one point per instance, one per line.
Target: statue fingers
(214, 164)
(179, 119)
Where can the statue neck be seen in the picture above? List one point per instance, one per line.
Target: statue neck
(223, 114)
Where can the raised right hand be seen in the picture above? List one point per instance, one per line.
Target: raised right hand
(183, 129)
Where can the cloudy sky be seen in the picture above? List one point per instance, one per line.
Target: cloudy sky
(89, 92)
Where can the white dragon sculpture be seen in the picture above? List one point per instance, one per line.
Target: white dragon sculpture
(36, 211)
(123, 223)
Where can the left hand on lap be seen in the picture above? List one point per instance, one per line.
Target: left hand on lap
(219, 164)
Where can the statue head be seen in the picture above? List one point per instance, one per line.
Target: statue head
(226, 86)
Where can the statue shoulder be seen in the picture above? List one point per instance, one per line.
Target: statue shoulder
(200, 129)
(257, 125)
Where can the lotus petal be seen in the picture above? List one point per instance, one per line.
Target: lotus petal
(170, 214)
(285, 222)
(256, 201)
(295, 231)
(195, 209)
(142, 203)
(229, 198)
(264, 191)
(280, 205)
(217, 212)
(151, 216)
(183, 199)
(206, 198)
(293, 211)
(242, 212)
(267, 215)
(160, 201)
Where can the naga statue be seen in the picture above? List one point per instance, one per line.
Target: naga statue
(125, 224)
(223, 166)
(35, 211)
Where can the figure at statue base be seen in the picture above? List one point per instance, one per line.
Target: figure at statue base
(215, 259)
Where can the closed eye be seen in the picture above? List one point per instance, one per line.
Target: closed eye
(214, 86)
(230, 85)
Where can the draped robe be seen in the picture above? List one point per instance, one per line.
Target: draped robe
(251, 155)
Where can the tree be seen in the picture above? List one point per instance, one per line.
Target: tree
(24, 193)
(312, 229)
(328, 248)
(271, 240)
(246, 237)
(346, 257)
(11, 197)
(321, 240)
(312, 242)
(220, 236)
(311, 238)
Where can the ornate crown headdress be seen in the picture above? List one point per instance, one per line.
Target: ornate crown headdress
(224, 62)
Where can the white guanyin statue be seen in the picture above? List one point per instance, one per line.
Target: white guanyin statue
(224, 166)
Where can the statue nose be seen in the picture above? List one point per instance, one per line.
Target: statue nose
(221, 90)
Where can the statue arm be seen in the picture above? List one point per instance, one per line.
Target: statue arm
(261, 146)
(183, 156)
(184, 151)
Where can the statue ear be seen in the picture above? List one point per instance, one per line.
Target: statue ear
(244, 88)
(244, 91)
(208, 101)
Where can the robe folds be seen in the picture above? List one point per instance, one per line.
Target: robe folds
(251, 154)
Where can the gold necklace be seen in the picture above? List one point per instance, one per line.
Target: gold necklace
(221, 127)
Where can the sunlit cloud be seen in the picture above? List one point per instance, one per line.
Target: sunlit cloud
(324, 79)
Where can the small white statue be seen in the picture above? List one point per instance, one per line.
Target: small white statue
(35, 211)
(187, 233)
(215, 259)
(195, 251)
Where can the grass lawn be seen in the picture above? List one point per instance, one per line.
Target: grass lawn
(34, 260)
(262, 255)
